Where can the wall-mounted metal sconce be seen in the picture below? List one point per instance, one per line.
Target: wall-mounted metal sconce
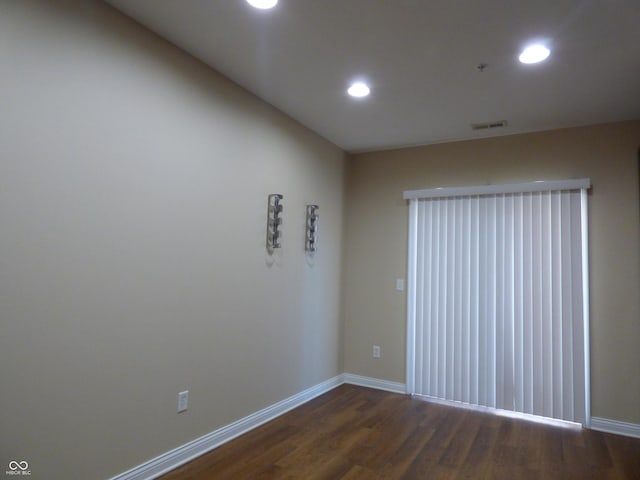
(274, 220)
(312, 228)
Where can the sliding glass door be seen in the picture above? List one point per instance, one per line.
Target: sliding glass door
(498, 297)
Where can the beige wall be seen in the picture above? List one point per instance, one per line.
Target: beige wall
(133, 190)
(376, 250)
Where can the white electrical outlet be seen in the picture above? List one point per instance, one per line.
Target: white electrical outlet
(400, 284)
(376, 351)
(183, 401)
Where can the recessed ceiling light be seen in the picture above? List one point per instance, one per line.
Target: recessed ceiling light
(534, 54)
(263, 4)
(359, 90)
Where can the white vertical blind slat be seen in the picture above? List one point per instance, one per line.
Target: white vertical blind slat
(547, 311)
(558, 298)
(466, 302)
(519, 307)
(458, 302)
(423, 255)
(475, 293)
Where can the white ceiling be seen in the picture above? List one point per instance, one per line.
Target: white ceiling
(420, 58)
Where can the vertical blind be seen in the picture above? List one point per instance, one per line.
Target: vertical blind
(498, 298)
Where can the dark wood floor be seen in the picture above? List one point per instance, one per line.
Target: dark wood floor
(355, 433)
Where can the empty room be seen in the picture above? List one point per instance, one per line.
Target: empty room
(319, 239)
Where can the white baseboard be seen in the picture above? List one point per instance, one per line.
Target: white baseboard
(187, 452)
(615, 426)
(386, 385)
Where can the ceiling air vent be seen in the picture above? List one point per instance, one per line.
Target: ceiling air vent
(489, 125)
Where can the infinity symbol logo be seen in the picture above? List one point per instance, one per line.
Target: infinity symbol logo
(13, 465)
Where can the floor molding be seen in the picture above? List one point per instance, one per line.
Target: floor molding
(386, 385)
(615, 426)
(170, 460)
